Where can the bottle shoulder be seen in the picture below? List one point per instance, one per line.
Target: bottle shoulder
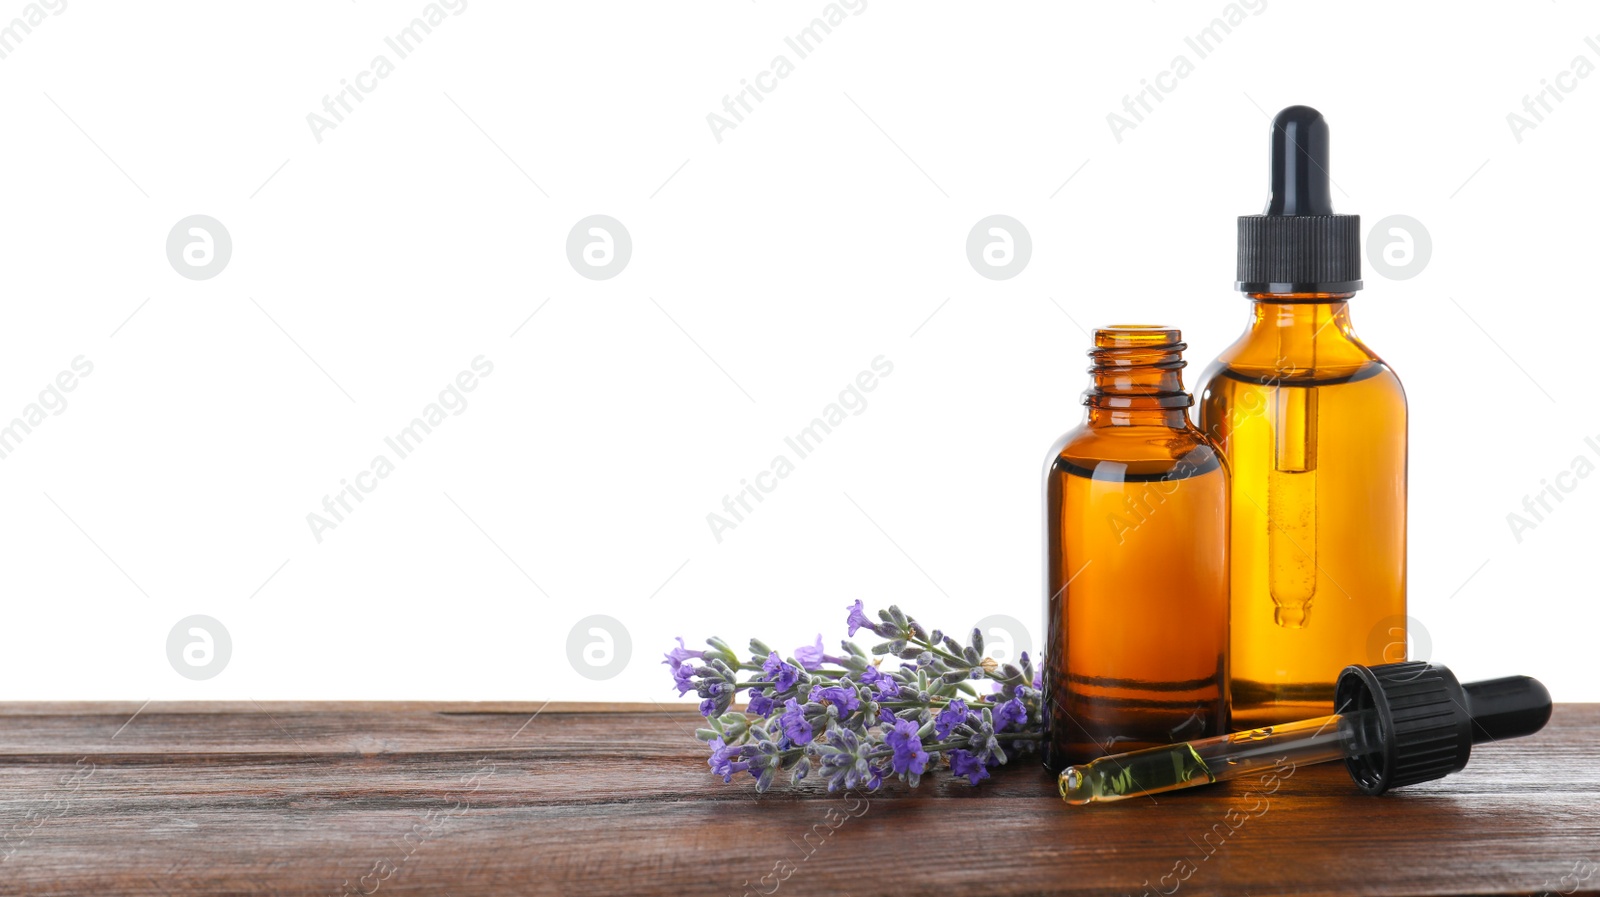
(1132, 451)
(1369, 396)
(1253, 365)
(1375, 373)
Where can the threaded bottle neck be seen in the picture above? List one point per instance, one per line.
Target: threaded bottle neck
(1136, 376)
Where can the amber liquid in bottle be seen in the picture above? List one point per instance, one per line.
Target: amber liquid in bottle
(1136, 553)
(1313, 426)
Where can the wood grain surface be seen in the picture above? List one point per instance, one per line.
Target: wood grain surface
(481, 799)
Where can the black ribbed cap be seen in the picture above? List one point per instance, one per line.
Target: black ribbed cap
(1417, 723)
(1420, 729)
(1299, 245)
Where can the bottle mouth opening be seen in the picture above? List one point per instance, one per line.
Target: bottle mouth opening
(1138, 336)
(1150, 346)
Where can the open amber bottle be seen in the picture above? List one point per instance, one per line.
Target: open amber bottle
(1136, 532)
(1313, 425)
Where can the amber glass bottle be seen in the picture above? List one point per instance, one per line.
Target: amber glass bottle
(1313, 426)
(1136, 558)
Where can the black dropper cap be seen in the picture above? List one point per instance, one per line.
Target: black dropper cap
(1299, 245)
(1424, 723)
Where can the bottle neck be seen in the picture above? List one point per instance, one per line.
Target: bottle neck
(1136, 378)
(1298, 333)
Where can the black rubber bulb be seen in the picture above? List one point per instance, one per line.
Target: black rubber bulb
(1506, 708)
(1300, 163)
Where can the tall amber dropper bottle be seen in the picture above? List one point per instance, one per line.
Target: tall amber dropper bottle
(1313, 425)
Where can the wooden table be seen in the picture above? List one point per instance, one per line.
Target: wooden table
(483, 799)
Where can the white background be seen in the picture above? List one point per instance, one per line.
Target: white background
(768, 269)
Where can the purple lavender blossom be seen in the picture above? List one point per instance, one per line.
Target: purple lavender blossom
(786, 726)
(683, 677)
(908, 753)
(724, 760)
(884, 683)
(841, 696)
(783, 676)
(812, 657)
(859, 620)
(760, 704)
(953, 715)
(965, 763)
(1010, 713)
(794, 723)
(678, 655)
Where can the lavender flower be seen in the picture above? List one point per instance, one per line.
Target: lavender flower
(794, 722)
(858, 620)
(678, 655)
(813, 656)
(954, 714)
(1010, 713)
(854, 719)
(760, 704)
(841, 696)
(965, 763)
(908, 753)
(683, 677)
(783, 676)
(683, 672)
(722, 760)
